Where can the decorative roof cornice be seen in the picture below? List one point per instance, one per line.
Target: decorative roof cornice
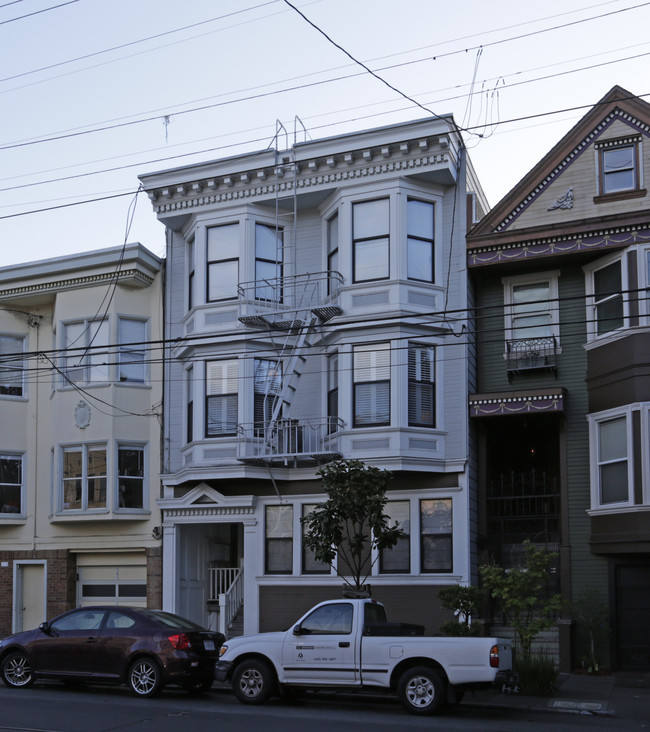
(615, 114)
(315, 173)
(503, 405)
(132, 277)
(609, 238)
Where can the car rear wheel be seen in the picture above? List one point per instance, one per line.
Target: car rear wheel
(16, 670)
(421, 690)
(253, 681)
(144, 677)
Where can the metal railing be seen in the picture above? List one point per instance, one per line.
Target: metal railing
(526, 354)
(226, 589)
(289, 296)
(287, 439)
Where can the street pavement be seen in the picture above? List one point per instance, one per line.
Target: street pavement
(622, 695)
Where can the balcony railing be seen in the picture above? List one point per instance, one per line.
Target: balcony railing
(289, 442)
(529, 354)
(226, 594)
(279, 300)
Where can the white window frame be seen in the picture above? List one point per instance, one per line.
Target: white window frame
(84, 447)
(509, 283)
(594, 421)
(143, 447)
(222, 382)
(83, 348)
(635, 142)
(9, 455)
(132, 348)
(371, 373)
(18, 368)
(592, 305)
(231, 258)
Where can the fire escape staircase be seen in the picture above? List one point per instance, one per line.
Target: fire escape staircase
(291, 319)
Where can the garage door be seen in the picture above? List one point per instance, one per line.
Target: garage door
(632, 612)
(117, 585)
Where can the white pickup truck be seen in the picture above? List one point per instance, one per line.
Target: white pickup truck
(348, 644)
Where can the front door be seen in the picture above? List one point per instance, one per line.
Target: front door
(322, 649)
(30, 595)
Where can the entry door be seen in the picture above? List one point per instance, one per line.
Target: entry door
(322, 650)
(30, 596)
(632, 612)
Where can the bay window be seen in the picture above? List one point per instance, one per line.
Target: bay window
(370, 240)
(421, 386)
(612, 461)
(131, 358)
(222, 262)
(278, 528)
(12, 365)
(84, 477)
(436, 535)
(371, 385)
(130, 476)
(221, 400)
(86, 360)
(11, 484)
(420, 241)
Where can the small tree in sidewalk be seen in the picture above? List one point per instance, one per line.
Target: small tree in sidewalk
(521, 592)
(351, 523)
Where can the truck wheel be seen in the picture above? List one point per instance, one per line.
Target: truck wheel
(421, 690)
(253, 681)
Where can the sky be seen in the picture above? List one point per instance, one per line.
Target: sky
(94, 93)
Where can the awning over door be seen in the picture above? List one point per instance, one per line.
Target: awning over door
(508, 403)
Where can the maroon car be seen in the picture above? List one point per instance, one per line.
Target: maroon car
(145, 649)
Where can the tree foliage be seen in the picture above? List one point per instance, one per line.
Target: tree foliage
(466, 604)
(521, 592)
(351, 522)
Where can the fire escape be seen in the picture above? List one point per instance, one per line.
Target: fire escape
(290, 309)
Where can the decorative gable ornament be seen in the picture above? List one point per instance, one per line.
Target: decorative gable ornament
(563, 202)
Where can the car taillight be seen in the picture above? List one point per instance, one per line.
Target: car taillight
(494, 657)
(180, 642)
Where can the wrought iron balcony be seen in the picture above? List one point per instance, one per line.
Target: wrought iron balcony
(530, 354)
(289, 442)
(288, 302)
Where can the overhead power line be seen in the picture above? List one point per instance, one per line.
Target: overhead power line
(36, 12)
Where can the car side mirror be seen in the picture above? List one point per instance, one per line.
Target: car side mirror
(45, 628)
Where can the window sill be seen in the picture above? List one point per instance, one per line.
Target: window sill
(118, 515)
(8, 519)
(620, 196)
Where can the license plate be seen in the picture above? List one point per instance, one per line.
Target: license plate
(208, 645)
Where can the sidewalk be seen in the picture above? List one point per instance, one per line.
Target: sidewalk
(625, 695)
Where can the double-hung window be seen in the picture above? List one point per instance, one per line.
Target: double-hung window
(420, 241)
(619, 165)
(397, 559)
(221, 402)
(268, 263)
(189, 409)
(608, 305)
(371, 385)
(131, 359)
(11, 484)
(131, 476)
(86, 359)
(421, 386)
(191, 266)
(278, 540)
(310, 565)
(332, 392)
(436, 554)
(84, 477)
(612, 460)
(370, 240)
(12, 365)
(267, 382)
(222, 262)
(332, 252)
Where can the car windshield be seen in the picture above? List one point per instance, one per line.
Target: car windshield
(170, 620)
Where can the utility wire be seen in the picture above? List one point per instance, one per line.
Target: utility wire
(37, 12)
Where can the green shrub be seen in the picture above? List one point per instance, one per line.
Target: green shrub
(454, 628)
(537, 675)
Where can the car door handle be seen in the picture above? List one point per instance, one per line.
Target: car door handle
(91, 640)
(344, 644)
